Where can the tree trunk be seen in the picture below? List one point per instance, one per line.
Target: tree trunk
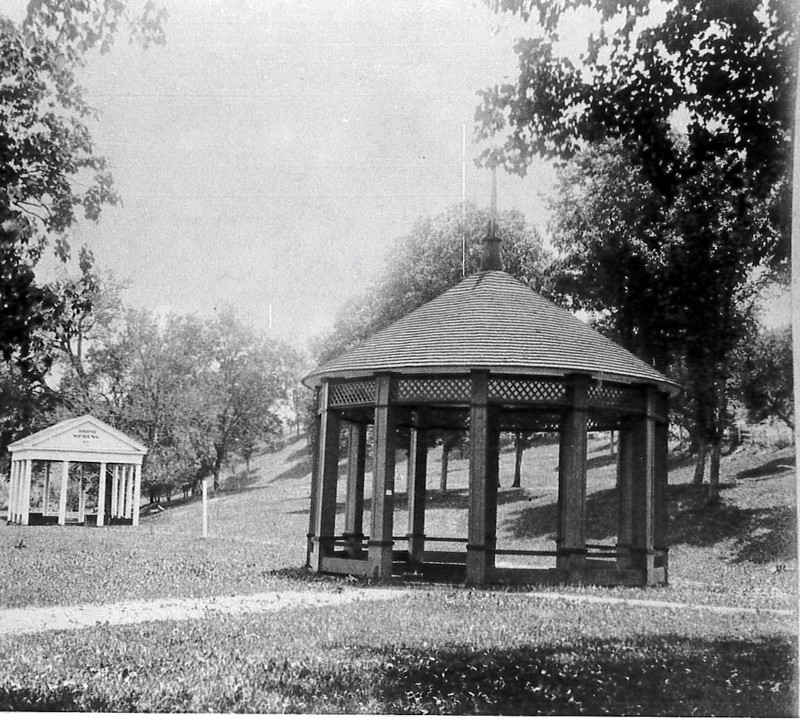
(217, 467)
(700, 467)
(518, 450)
(713, 471)
(445, 463)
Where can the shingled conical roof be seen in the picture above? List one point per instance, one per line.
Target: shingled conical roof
(490, 321)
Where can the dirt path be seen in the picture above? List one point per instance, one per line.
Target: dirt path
(30, 620)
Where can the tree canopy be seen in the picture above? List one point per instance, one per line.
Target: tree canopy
(677, 124)
(710, 81)
(50, 174)
(426, 262)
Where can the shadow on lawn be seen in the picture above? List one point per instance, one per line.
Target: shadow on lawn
(541, 521)
(762, 535)
(436, 499)
(776, 466)
(301, 468)
(661, 675)
(665, 675)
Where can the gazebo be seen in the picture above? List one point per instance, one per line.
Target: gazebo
(80, 471)
(486, 356)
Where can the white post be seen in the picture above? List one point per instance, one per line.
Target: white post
(101, 495)
(81, 497)
(12, 492)
(26, 491)
(46, 490)
(137, 493)
(18, 492)
(129, 493)
(205, 509)
(115, 491)
(62, 500)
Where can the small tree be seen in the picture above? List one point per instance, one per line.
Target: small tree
(764, 378)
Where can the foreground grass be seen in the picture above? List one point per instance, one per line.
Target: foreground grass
(440, 650)
(436, 651)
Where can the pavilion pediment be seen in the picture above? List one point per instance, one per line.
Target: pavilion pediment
(84, 434)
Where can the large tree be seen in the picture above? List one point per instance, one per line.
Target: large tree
(50, 175)
(697, 95)
(248, 377)
(429, 260)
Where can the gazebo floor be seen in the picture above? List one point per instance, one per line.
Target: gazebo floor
(591, 573)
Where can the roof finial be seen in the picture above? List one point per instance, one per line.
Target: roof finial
(492, 258)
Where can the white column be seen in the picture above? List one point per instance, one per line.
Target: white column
(129, 494)
(123, 489)
(137, 492)
(26, 490)
(18, 491)
(81, 497)
(101, 495)
(12, 493)
(115, 491)
(46, 487)
(62, 500)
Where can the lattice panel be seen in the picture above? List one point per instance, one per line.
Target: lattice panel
(451, 389)
(622, 398)
(351, 393)
(526, 391)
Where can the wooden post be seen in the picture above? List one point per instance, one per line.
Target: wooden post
(417, 476)
(660, 492)
(137, 493)
(571, 544)
(314, 490)
(380, 543)
(327, 478)
(483, 474)
(62, 499)
(101, 495)
(643, 486)
(625, 471)
(354, 506)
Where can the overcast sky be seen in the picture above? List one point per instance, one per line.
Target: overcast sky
(272, 150)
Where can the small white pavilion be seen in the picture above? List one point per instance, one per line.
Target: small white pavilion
(98, 481)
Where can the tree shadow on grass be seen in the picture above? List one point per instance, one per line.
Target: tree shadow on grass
(666, 675)
(768, 469)
(598, 461)
(301, 468)
(761, 535)
(456, 499)
(541, 521)
(300, 454)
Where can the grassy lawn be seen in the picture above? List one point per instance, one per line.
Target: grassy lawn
(438, 650)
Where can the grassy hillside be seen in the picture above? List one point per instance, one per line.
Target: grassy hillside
(438, 649)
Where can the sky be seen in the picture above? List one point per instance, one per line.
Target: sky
(268, 155)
